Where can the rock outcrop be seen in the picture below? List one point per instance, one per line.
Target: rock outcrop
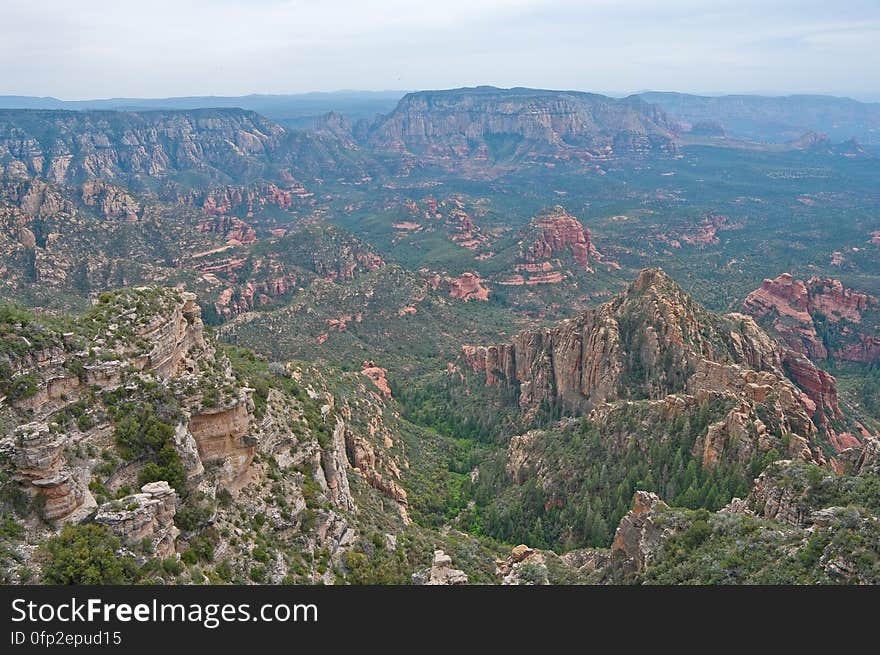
(333, 465)
(38, 456)
(819, 385)
(148, 515)
(558, 232)
(655, 344)
(109, 201)
(550, 247)
(796, 310)
(222, 436)
(234, 230)
(524, 566)
(783, 503)
(377, 375)
(468, 286)
(639, 535)
(369, 462)
(441, 572)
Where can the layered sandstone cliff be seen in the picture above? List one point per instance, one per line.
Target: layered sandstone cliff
(798, 311)
(148, 515)
(486, 124)
(70, 146)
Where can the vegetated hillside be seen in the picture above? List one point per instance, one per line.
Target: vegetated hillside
(129, 429)
(671, 398)
(132, 437)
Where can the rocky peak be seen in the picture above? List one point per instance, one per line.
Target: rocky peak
(653, 343)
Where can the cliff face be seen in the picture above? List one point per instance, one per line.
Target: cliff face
(640, 534)
(653, 327)
(69, 147)
(798, 310)
(654, 344)
(144, 336)
(492, 124)
(221, 436)
(135, 396)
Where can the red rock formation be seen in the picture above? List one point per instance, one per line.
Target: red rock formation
(819, 386)
(467, 286)
(833, 300)
(558, 232)
(246, 200)
(233, 301)
(792, 305)
(233, 229)
(377, 376)
(707, 232)
(582, 365)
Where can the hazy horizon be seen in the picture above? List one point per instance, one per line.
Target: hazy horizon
(100, 49)
(869, 98)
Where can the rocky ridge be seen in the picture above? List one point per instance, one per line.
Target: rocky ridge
(796, 310)
(654, 345)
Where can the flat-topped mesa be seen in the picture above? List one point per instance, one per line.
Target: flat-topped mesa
(487, 123)
(67, 147)
(794, 309)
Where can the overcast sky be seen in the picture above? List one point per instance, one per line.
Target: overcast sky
(77, 49)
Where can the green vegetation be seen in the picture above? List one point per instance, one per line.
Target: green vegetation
(86, 554)
(585, 482)
(144, 431)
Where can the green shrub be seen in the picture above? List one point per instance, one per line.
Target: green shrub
(22, 387)
(86, 554)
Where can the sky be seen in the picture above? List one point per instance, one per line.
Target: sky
(87, 49)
